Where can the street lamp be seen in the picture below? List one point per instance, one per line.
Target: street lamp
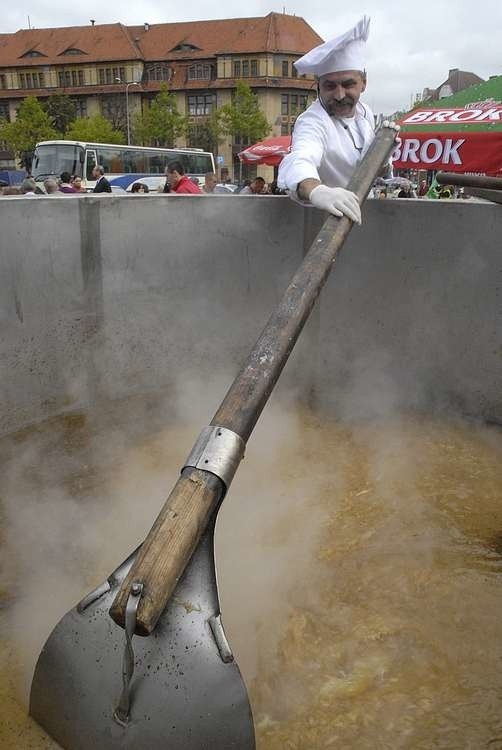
(131, 83)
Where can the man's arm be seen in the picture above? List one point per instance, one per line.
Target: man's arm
(305, 187)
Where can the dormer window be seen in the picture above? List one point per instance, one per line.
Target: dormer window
(200, 72)
(185, 47)
(33, 53)
(73, 51)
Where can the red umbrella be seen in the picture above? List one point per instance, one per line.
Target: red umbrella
(270, 151)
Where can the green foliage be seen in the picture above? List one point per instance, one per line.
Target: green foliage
(32, 124)
(161, 124)
(61, 110)
(206, 134)
(243, 116)
(96, 128)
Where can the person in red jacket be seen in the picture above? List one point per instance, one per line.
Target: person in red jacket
(178, 180)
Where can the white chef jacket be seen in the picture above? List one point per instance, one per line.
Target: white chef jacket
(326, 148)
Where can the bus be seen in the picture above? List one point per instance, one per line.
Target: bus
(123, 165)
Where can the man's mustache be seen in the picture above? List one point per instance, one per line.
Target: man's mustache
(347, 101)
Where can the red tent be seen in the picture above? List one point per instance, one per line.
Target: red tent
(452, 139)
(270, 151)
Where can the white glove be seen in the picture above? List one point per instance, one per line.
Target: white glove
(337, 201)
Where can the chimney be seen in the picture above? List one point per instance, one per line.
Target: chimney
(93, 21)
(146, 26)
(452, 71)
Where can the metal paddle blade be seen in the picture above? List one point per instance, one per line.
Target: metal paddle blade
(186, 691)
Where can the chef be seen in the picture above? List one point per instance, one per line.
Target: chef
(333, 134)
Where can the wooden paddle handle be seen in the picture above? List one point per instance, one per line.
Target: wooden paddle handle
(168, 547)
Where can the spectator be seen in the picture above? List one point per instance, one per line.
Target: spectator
(139, 187)
(11, 190)
(406, 192)
(76, 181)
(51, 186)
(102, 185)
(257, 187)
(178, 181)
(245, 184)
(273, 189)
(210, 182)
(422, 190)
(65, 185)
(29, 187)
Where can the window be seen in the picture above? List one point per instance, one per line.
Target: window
(185, 47)
(158, 73)
(73, 51)
(3, 81)
(200, 104)
(33, 53)
(245, 68)
(4, 111)
(285, 68)
(294, 72)
(201, 72)
(113, 108)
(291, 106)
(242, 140)
(80, 107)
(108, 75)
(31, 80)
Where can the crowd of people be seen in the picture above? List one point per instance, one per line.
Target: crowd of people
(176, 182)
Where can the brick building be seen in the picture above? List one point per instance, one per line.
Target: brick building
(199, 61)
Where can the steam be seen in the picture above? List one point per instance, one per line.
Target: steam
(340, 549)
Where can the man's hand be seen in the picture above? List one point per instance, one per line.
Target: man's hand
(337, 201)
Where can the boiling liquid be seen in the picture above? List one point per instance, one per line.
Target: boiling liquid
(359, 569)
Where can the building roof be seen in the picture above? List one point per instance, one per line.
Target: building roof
(276, 32)
(485, 91)
(457, 80)
(106, 42)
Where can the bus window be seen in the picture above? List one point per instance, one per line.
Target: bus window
(111, 159)
(155, 163)
(90, 158)
(54, 158)
(134, 161)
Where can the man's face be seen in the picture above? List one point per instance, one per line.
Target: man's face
(209, 184)
(257, 186)
(340, 92)
(95, 173)
(173, 178)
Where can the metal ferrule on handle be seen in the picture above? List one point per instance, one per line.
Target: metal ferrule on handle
(219, 451)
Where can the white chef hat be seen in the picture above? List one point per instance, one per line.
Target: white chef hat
(346, 52)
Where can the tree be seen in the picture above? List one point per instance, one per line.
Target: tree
(96, 128)
(205, 134)
(61, 110)
(161, 123)
(243, 116)
(32, 124)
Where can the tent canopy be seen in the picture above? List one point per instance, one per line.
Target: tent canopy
(462, 133)
(270, 151)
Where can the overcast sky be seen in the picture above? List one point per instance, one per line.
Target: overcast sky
(411, 45)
